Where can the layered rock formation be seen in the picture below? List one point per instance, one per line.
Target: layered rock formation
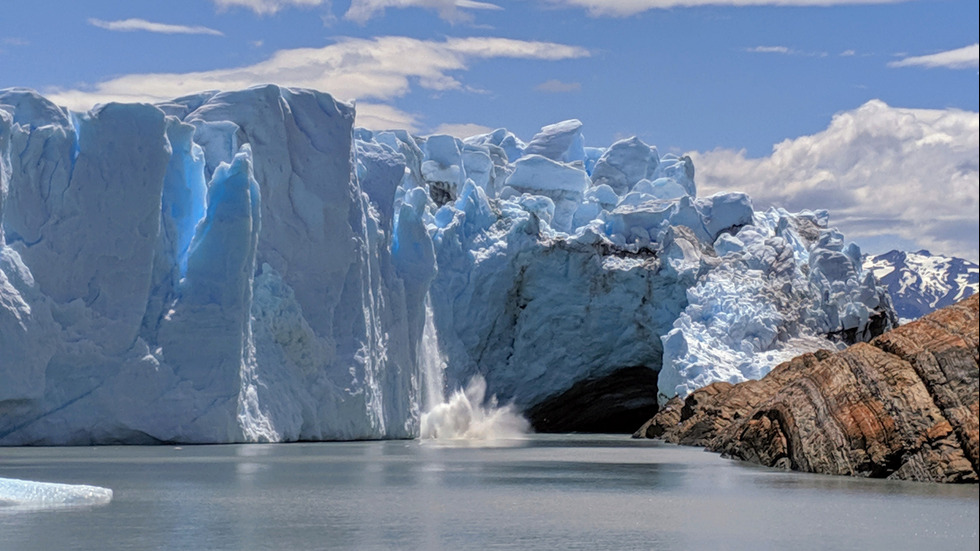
(904, 406)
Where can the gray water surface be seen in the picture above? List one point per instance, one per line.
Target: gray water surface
(546, 492)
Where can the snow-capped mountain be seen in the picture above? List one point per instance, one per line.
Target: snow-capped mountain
(920, 282)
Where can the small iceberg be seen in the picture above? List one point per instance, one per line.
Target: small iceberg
(28, 494)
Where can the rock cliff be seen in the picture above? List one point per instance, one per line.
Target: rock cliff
(903, 406)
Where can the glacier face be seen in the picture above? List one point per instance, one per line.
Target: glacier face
(207, 270)
(247, 266)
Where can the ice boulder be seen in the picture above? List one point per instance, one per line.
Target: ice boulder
(725, 212)
(565, 185)
(442, 168)
(625, 163)
(506, 141)
(561, 142)
(678, 169)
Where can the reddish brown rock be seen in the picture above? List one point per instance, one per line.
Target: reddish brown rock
(903, 406)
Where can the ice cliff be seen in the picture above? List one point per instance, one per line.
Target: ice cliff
(247, 266)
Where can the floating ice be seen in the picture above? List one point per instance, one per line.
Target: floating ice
(27, 494)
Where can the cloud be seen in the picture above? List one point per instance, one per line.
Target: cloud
(626, 8)
(15, 41)
(769, 50)
(555, 86)
(888, 175)
(967, 57)
(784, 51)
(462, 130)
(363, 10)
(372, 70)
(848, 53)
(130, 25)
(268, 7)
(381, 116)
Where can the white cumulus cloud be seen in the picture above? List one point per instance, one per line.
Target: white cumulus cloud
(626, 8)
(381, 116)
(268, 7)
(967, 57)
(373, 71)
(451, 10)
(130, 25)
(889, 176)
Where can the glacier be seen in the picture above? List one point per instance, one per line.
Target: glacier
(247, 266)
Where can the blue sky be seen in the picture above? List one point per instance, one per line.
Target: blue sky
(866, 108)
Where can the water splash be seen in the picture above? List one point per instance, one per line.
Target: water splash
(464, 416)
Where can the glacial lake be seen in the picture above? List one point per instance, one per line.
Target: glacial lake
(545, 492)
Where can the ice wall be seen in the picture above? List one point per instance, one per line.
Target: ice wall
(245, 266)
(208, 270)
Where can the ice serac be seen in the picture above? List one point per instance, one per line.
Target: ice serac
(561, 141)
(625, 163)
(246, 266)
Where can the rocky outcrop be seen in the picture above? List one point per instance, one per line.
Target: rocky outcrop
(904, 406)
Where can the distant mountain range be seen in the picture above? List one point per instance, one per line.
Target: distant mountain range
(921, 282)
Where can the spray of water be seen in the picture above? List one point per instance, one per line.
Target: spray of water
(464, 416)
(467, 414)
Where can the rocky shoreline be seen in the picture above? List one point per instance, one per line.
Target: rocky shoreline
(903, 406)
